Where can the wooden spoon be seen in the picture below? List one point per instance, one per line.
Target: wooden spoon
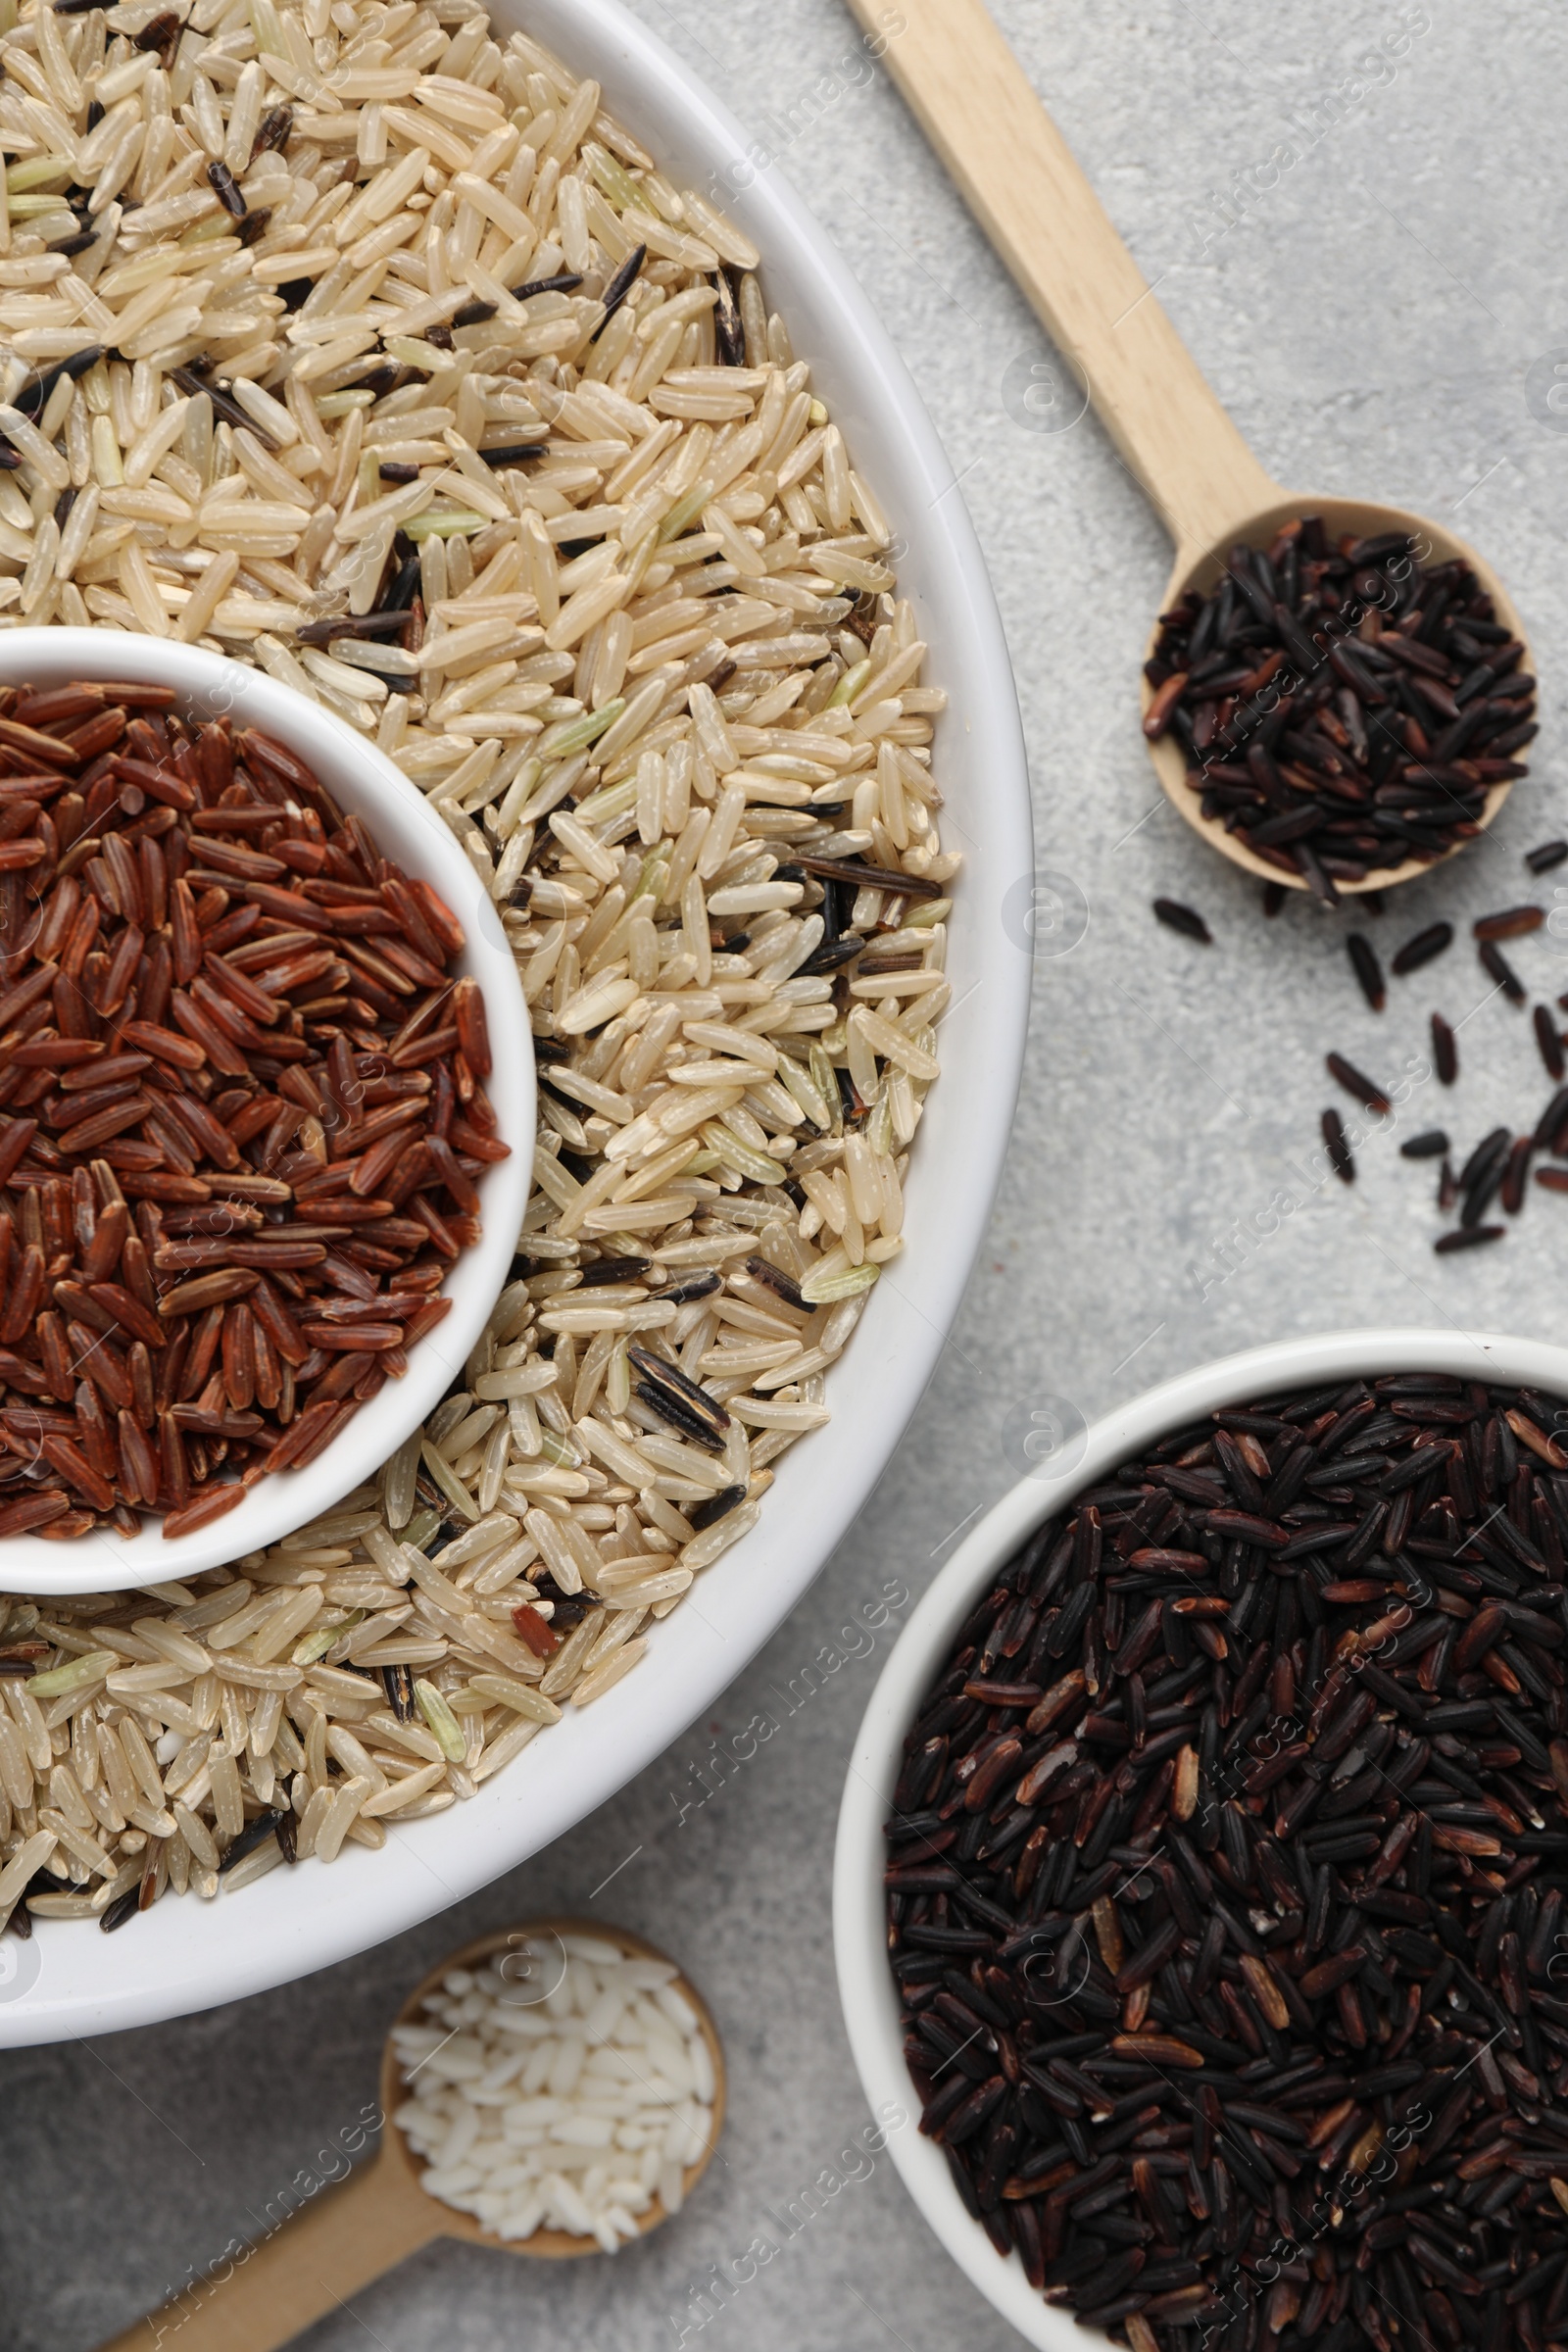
(974, 103)
(348, 2237)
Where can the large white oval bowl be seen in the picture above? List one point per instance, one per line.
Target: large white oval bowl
(364, 783)
(860, 1920)
(183, 1957)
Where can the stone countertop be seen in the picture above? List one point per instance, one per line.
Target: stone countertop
(1351, 219)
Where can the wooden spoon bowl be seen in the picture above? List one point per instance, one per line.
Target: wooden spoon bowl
(1341, 515)
(551, 2245)
(325, 2251)
(974, 103)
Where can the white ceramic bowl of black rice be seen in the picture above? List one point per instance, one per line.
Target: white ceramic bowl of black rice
(1346, 1888)
(179, 1957)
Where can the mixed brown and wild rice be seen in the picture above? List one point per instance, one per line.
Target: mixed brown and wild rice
(653, 675)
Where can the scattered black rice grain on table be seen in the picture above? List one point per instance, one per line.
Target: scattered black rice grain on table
(1467, 1237)
(1495, 963)
(1338, 1144)
(1445, 1050)
(1514, 922)
(1550, 1042)
(1367, 969)
(1184, 919)
(1361, 1090)
(1421, 950)
(1516, 1174)
(1477, 1197)
(1549, 853)
(1342, 708)
(1431, 1146)
(1448, 1188)
(1227, 1868)
(1555, 1179)
(1481, 1173)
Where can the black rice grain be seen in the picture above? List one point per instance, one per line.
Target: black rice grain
(1226, 1974)
(1184, 919)
(1467, 1237)
(1498, 967)
(1423, 948)
(1445, 1050)
(1550, 1042)
(1337, 1145)
(1367, 969)
(1514, 922)
(1362, 1090)
(1489, 1152)
(1548, 854)
(1431, 1146)
(1515, 1174)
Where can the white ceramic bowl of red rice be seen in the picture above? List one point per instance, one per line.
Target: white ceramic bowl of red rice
(364, 782)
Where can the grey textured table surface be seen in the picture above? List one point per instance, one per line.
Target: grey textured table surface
(1366, 271)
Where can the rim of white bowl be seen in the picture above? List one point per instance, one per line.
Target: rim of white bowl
(407, 828)
(173, 1960)
(860, 1933)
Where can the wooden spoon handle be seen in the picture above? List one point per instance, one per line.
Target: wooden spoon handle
(268, 2293)
(971, 98)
